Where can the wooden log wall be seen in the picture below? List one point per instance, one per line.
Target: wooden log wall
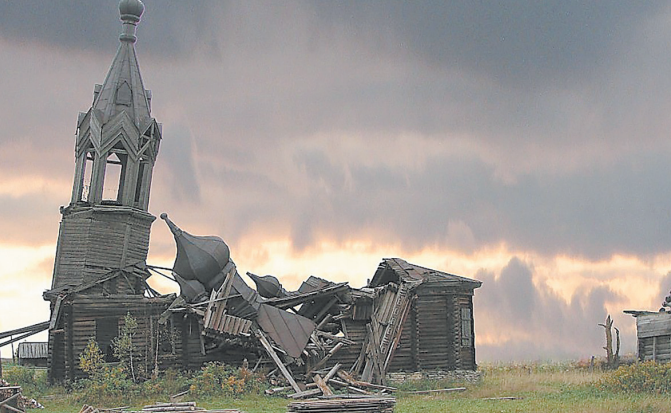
(94, 240)
(85, 317)
(432, 334)
(654, 337)
(656, 348)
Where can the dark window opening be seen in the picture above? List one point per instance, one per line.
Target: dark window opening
(140, 179)
(107, 329)
(87, 176)
(466, 327)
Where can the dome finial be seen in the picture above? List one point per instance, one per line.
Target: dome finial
(130, 11)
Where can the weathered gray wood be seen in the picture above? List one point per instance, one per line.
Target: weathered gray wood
(273, 355)
(305, 393)
(326, 391)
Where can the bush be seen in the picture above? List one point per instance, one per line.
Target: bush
(104, 382)
(217, 379)
(33, 382)
(168, 383)
(646, 377)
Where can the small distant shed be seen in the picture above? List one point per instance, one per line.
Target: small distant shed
(653, 331)
(33, 354)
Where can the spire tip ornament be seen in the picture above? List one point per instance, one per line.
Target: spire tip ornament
(130, 11)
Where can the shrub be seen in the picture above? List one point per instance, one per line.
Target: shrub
(220, 379)
(104, 382)
(646, 377)
(33, 382)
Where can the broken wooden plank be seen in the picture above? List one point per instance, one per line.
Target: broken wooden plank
(327, 357)
(322, 385)
(278, 362)
(305, 393)
(350, 380)
(453, 389)
(294, 300)
(55, 315)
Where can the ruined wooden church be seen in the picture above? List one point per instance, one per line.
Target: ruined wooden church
(408, 318)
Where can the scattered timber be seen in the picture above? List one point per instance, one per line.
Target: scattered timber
(450, 390)
(360, 404)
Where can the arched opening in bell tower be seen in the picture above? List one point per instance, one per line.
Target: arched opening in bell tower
(87, 176)
(115, 173)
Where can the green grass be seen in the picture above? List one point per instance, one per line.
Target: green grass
(539, 387)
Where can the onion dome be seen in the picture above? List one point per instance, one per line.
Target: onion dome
(192, 290)
(199, 258)
(268, 286)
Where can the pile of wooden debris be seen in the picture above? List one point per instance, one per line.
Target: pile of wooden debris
(10, 398)
(298, 334)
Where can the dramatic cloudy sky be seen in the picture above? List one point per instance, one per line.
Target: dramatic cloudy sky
(525, 144)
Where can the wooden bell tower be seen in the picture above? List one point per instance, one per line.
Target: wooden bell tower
(106, 225)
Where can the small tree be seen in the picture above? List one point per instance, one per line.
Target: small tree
(123, 345)
(91, 360)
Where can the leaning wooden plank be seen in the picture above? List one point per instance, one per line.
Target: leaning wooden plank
(349, 379)
(55, 315)
(273, 355)
(331, 374)
(359, 363)
(208, 311)
(327, 357)
(357, 390)
(294, 300)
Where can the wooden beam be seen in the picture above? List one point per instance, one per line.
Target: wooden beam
(273, 355)
(322, 385)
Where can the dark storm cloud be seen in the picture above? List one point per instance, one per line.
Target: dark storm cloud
(593, 214)
(516, 41)
(523, 42)
(169, 29)
(307, 78)
(539, 323)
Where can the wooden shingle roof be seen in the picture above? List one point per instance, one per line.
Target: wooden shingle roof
(399, 270)
(36, 350)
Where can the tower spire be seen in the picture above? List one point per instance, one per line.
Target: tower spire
(117, 139)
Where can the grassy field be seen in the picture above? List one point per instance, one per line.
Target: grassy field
(535, 387)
